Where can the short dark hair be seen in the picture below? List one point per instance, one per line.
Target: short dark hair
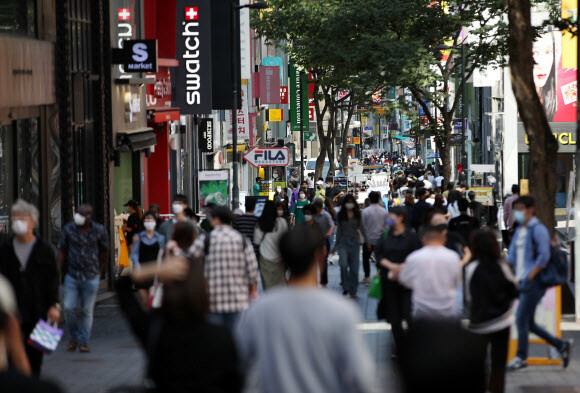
(428, 231)
(375, 196)
(420, 192)
(399, 211)
(183, 234)
(180, 198)
(527, 201)
(299, 246)
(462, 205)
(471, 195)
(318, 202)
(223, 213)
(329, 180)
(294, 184)
(250, 204)
(258, 178)
(309, 208)
(515, 189)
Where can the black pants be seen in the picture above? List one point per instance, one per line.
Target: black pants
(34, 358)
(396, 304)
(499, 350)
(367, 259)
(324, 269)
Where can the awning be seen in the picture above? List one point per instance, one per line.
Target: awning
(137, 141)
(400, 137)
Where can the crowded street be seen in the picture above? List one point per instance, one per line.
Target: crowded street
(289, 196)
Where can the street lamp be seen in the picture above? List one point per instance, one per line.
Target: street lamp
(235, 40)
(463, 111)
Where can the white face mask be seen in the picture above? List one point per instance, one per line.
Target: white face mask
(79, 219)
(280, 213)
(19, 227)
(177, 208)
(308, 217)
(302, 196)
(149, 225)
(349, 206)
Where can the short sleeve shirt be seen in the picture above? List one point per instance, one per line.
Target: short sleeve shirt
(83, 249)
(324, 220)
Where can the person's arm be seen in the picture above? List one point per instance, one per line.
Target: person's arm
(541, 238)
(135, 252)
(63, 249)
(251, 269)
(15, 346)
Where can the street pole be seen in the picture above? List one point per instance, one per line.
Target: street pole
(463, 111)
(234, 42)
(301, 114)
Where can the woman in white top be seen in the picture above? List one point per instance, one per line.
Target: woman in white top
(271, 227)
(452, 207)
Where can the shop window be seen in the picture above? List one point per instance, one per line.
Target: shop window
(18, 17)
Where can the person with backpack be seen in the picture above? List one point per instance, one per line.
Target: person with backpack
(529, 253)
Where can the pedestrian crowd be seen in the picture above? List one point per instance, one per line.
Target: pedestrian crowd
(192, 294)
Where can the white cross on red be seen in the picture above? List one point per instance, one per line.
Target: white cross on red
(124, 14)
(191, 13)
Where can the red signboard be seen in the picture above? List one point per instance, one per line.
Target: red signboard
(311, 113)
(270, 84)
(283, 94)
(164, 116)
(159, 93)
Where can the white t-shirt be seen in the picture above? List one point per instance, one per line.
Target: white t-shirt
(520, 247)
(438, 180)
(434, 275)
(269, 242)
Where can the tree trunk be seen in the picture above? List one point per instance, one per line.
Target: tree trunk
(343, 153)
(332, 137)
(322, 140)
(543, 145)
(443, 143)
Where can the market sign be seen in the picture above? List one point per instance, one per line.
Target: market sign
(268, 156)
(137, 56)
(206, 135)
(193, 91)
(298, 112)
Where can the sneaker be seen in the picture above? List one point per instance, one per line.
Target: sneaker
(566, 351)
(365, 280)
(344, 293)
(72, 345)
(516, 364)
(84, 348)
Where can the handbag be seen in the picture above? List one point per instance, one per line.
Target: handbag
(375, 289)
(45, 336)
(556, 272)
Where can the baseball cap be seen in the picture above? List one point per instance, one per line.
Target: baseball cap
(131, 203)
(320, 182)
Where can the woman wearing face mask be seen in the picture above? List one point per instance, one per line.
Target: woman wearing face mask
(394, 246)
(298, 209)
(271, 226)
(309, 213)
(134, 223)
(349, 234)
(146, 249)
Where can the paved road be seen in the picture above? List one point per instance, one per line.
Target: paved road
(117, 360)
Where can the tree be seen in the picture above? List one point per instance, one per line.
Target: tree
(543, 145)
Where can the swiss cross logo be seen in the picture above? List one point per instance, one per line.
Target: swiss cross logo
(124, 14)
(191, 13)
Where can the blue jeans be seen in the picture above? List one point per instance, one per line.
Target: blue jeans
(531, 293)
(226, 319)
(349, 261)
(74, 289)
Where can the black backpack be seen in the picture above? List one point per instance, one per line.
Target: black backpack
(556, 271)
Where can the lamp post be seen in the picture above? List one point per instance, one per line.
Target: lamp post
(235, 40)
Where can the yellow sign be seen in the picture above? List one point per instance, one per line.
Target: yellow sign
(381, 111)
(483, 195)
(274, 114)
(524, 187)
(569, 43)
(356, 140)
(565, 138)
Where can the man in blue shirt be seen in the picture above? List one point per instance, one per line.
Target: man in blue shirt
(83, 251)
(529, 253)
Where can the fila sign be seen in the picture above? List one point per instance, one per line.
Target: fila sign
(268, 156)
(193, 50)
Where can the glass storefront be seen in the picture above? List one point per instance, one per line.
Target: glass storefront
(19, 166)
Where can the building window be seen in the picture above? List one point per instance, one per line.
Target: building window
(18, 17)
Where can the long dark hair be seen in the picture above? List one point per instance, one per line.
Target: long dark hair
(330, 207)
(454, 195)
(485, 247)
(188, 299)
(267, 220)
(548, 91)
(342, 216)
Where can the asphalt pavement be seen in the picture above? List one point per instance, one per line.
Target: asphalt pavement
(117, 360)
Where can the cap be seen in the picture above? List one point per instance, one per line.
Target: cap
(131, 203)
(320, 182)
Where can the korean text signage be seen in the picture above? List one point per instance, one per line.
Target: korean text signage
(270, 84)
(206, 135)
(137, 56)
(159, 93)
(243, 122)
(268, 156)
(193, 50)
(299, 112)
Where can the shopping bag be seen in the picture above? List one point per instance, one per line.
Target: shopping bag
(123, 259)
(375, 289)
(45, 337)
(156, 290)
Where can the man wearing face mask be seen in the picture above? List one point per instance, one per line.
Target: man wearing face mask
(324, 221)
(529, 253)
(83, 248)
(30, 265)
(178, 208)
(298, 209)
(374, 219)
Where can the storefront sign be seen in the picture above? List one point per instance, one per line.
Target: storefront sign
(242, 120)
(268, 156)
(310, 136)
(283, 95)
(483, 195)
(193, 50)
(297, 111)
(159, 93)
(269, 85)
(356, 140)
(565, 134)
(206, 136)
(275, 115)
(137, 56)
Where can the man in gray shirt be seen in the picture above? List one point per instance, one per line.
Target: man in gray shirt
(301, 338)
(374, 220)
(326, 224)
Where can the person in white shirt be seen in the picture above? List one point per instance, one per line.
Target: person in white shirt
(267, 235)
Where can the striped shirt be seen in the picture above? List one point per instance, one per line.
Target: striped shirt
(246, 225)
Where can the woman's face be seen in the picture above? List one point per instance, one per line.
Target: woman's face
(543, 52)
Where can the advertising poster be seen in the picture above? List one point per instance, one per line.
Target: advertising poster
(260, 204)
(292, 174)
(213, 188)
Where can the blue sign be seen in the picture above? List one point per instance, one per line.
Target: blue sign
(457, 124)
(368, 128)
(273, 61)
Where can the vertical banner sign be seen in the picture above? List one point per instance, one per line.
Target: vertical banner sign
(245, 52)
(283, 95)
(206, 136)
(269, 84)
(243, 125)
(298, 112)
(193, 50)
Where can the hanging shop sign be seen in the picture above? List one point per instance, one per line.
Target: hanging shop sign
(206, 144)
(137, 56)
(310, 136)
(268, 156)
(275, 115)
(269, 84)
(283, 95)
(159, 93)
(242, 119)
(193, 51)
(297, 111)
